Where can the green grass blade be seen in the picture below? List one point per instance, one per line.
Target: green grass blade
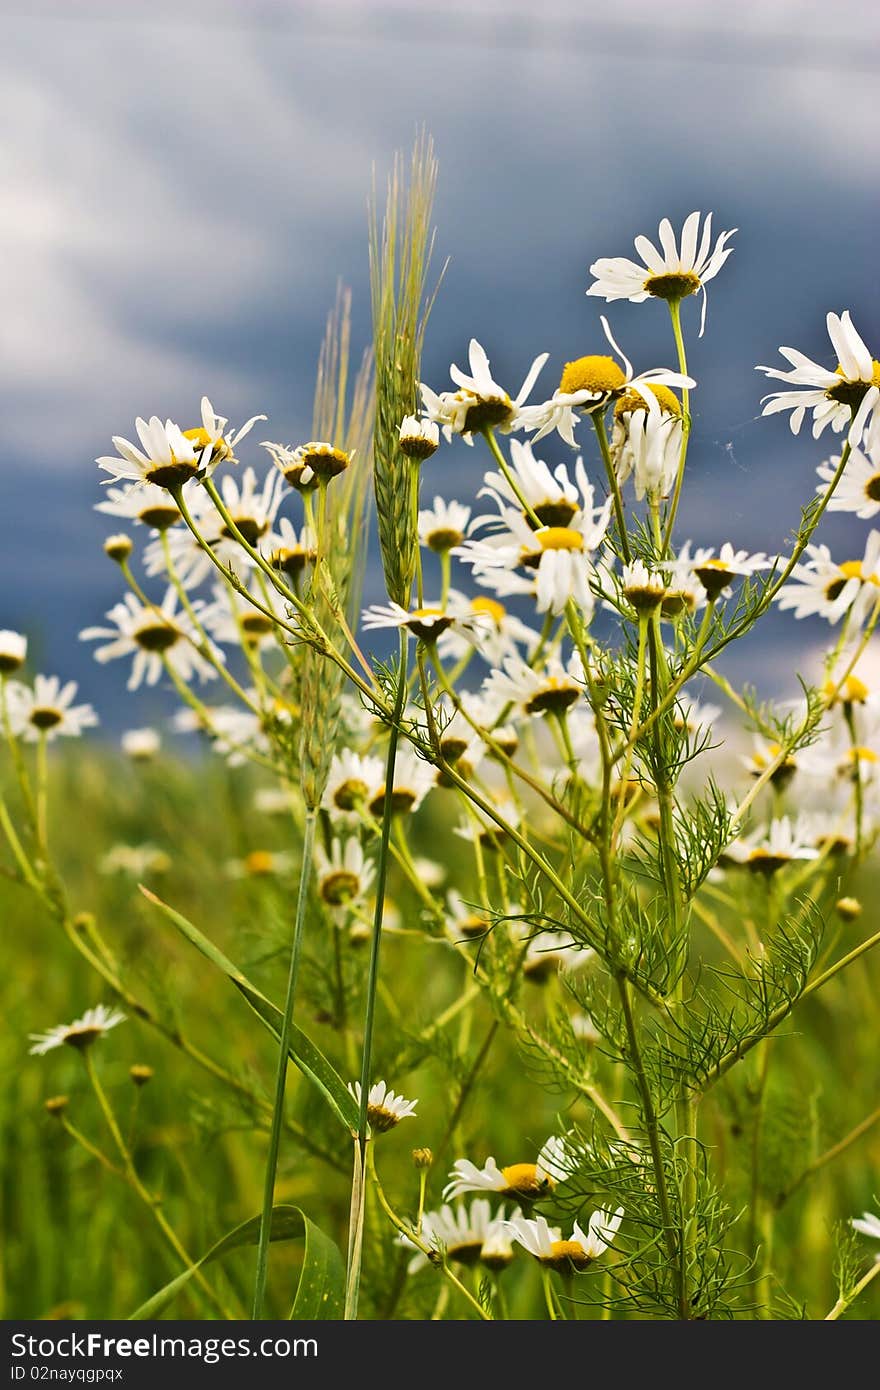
(303, 1052)
(321, 1283)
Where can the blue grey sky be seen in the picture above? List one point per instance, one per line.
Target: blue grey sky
(183, 184)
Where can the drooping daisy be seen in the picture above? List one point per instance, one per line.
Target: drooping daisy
(153, 636)
(577, 1252)
(384, 1108)
(648, 445)
(141, 744)
(844, 397)
(768, 850)
(672, 275)
(13, 650)
(419, 439)
(764, 754)
(589, 383)
(822, 586)
(551, 496)
(859, 487)
(47, 711)
(458, 1232)
(644, 589)
(479, 403)
(79, 1034)
(413, 779)
(291, 465)
(345, 874)
(148, 505)
(444, 525)
(550, 690)
(291, 551)
(716, 573)
(520, 1181)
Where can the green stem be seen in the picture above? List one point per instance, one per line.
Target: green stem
(675, 315)
(281, 1073)
(846, 1299)
(598, 420)
(356, 1246)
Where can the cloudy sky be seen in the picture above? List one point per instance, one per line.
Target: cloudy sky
(184, 182)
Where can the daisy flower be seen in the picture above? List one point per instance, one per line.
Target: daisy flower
(135, 860)
(643, 588)
(444, 525)
(47, 710)
(141, 744)
(588, 383)
(648, 445)
(13, 650)
(384, 1108)
(413, 779)
(577, 1252)
(672, 274)
(821, 586)
(345, 874)
(767, 850)
(262, 863)
(551, 497)
(459, 1233)
(79, 1034)
(859, 487)
(493, 632)
(230, 618)
(556, 558)
(169, 456)
(867, 1225)
(291, 551)
(552, 690)
(463, 923)
(154, 636)
(764, 753)
(216, 441)
(549, 952)
(479, 403)
(521, 1181)
(419, 439)
(291, 465)
(717, 572)
(148, 505)
(238, 734)
(426, 623)
(844, 397)
(351, 782)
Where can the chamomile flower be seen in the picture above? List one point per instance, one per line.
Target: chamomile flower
(767, 850)
(345, 874)
(47, 711)
(552, 563)
(413, 779)
(352, 781)
(79, 1034)
(457, 1232)
(146, 504)
(589, 383)
(493, 633)
(166, 457)
(444, 525)
(552, 497)
(819, 585)
(154, 636)
(524, 1182)
(292, 466)
(868, 1224)
(843, 398)
(384, 1108)
(644, 589)
(648, 446)
(551, 690)
(764, 753)
(716, 572)
(135, 860)
(237, 733)
(419, 439)
(216, 441)
(13, 650)
(548, 952)
(230, 618)
(859, 487)
(672, 274)
(291, 551)
(577, 1252)
(262, 863)
(464, 922)
(479, 403)
(141, 744)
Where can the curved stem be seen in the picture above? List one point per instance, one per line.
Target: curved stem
(281, 1073)
(598, 420)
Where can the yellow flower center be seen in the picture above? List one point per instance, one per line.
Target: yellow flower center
(559, 538)
(259, 863)
(632, 400)
(201, 439)
(566, 1254)
(523, 1181)
(864, 755)
(490, 606)
(596, 374)
(382, 1119)
(851, 692)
